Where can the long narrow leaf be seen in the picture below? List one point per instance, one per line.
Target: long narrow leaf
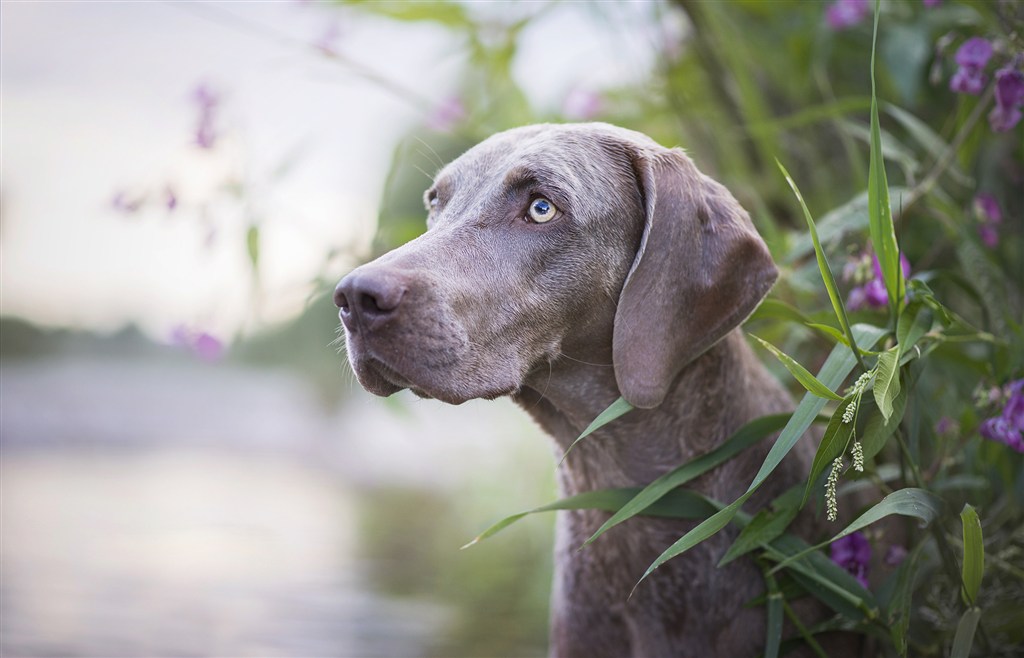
(835, 369)
(773, 628)
(826, 271)
(918, 503)
(964, 637)
(880, 224)
(806, 379)
(744, 437)
(974, 554)
(679, 504)
(765, 527)
(614, 410)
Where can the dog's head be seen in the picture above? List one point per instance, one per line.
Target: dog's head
(553, 240)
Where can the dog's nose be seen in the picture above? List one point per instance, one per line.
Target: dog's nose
(368, 299)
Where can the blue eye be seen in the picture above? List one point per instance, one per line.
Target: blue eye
(542, 210)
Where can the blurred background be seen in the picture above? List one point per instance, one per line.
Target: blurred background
(188, 466)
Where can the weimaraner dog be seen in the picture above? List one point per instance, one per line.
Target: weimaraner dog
(564, 266)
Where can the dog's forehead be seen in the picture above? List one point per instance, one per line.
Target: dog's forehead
(565, 148)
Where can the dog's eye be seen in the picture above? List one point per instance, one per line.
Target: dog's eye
(542, 210)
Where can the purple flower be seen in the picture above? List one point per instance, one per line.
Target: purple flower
(204, 345)
(207, 100)
(895, 555)
(853, 553)
(123, 203)
(873, 293)
(971, 58)
(1009, 98)
(989, 215)
(846, 13)
(170, 198)
(447, 115)
(1008, 427)
(967, 81)
(931, 3)
(946, 425)
(974, 53)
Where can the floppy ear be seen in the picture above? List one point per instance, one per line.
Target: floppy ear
(700, 271)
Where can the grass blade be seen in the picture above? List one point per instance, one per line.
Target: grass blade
(974, 554)
(614, 410)
(826, 271)
(835, 369)
(964, 637)
(880, 224)
(773, 630)
(744, 437)
(765, 527)
(679, 504)
(806, 379)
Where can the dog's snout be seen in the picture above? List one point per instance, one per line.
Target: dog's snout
(368, 299)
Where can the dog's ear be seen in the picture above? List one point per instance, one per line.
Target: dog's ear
(700, 271)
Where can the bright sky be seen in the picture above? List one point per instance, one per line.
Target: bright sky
(95, 99)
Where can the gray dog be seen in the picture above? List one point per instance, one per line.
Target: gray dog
(564, 266)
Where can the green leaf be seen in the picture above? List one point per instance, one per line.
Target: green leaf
(614, 410)
(887, 380)
(915, 321)
(765, 527)
(833, 443)
(824, 579)
(880, 224)
(679, 504)
(776, 309)
(974, 554)
(773, 629)
(905, 502)
(898, 609)
(836, 224)
(252, 244)
(826, 272)
(964, 638)
(806, 379)
(743, 438)
(879, 428)
(835, 369)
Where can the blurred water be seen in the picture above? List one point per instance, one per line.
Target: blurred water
(171, 508)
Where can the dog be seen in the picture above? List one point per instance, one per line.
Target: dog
(565, 265)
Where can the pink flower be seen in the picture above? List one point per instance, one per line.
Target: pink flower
(202, 344)
(846, 13)
(582, 104)
(207, 100)
(447, 115)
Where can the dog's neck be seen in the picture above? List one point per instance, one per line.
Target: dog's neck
(705, 404)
